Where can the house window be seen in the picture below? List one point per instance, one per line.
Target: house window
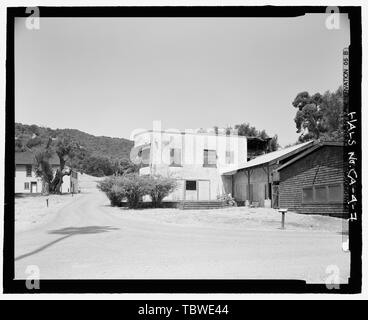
(145, 156)
(191, 185)
(209, 158)
(335, 193)
(307, 195)
(320, 194)
(29, 170)
(229, 157)
(26, 185)
(323, 194)
(175, 157)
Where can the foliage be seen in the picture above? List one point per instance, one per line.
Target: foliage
(133, 187)
(93, 155)
(43, 169)
(124, 166)
(160, 187)
(245, 129)
(111, 187)
(319, 116)
(227, 199)
(33, 142)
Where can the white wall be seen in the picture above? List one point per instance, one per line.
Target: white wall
(21, 178)
(192, 146)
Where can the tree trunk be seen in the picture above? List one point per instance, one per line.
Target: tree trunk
(57, 181)
(45, 187)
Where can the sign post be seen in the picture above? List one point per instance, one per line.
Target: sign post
(283, 211)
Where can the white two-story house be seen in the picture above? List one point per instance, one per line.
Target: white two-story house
(195, 159)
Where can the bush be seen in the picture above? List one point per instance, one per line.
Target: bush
(227, 199)
(159, 188)
(133, 187)
(113, 190)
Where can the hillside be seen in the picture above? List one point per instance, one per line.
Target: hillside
(96, 153)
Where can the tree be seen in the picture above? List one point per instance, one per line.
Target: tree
(245, 129)
(51, 182)
(65, 148)
(43, 169)
(160, 187)
(274, 143)
(319, 116)
(124, 166)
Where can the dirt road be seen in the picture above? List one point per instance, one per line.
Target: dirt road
(87, 239)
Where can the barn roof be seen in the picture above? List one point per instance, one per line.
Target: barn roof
(310, 150)
(27, 157)
(272, 157)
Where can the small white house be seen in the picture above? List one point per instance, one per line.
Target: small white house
(26, 180)
(195, 159)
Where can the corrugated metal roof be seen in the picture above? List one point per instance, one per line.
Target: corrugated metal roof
(27, 157)
(271, 157)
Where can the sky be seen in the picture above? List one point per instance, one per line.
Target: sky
(110, 76)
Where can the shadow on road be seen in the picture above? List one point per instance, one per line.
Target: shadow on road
(68, 232)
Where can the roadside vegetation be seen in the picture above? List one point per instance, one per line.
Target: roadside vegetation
(132, 187)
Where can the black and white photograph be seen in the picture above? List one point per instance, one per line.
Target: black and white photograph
(183, 150)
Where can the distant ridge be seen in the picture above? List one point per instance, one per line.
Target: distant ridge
(95, 148)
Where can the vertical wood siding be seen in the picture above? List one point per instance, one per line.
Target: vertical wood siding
(321, 167)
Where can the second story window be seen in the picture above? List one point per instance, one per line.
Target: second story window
(209, 158)
(175, 157)
(146, 157)
(29, 170)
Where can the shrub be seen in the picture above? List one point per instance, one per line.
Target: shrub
(227, 199)
(160, 187)
(113, 190)
(135, 187)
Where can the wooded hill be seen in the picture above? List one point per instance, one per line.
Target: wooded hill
(95, 153)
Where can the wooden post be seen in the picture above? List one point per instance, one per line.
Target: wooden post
(268, 181)
(232, 185)
(283, 211)
(248, 185)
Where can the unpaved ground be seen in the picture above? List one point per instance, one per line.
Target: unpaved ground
(87, 238)
(240, 217)
(32, 211)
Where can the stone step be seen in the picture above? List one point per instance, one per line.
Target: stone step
(201, 205)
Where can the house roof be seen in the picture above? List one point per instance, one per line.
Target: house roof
(272, 157)
(310, 150)
(27, 157)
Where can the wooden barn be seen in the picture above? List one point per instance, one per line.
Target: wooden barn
(253, 182)
(313, 181)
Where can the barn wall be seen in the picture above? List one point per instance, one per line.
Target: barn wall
(321, 167)
(258, 180)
